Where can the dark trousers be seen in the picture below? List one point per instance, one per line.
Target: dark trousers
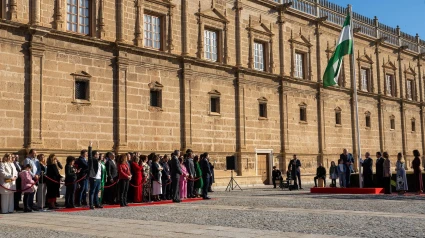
(175, 188)
(206, 186)
(379, 180)
(274, 181)
(69, 195)
(333, 183)
(94, 191)
(368, 182)
(28, 200)
(297, 174)
(387, 185)
(111, 193)
(347, 176)
(123, 190)
(17, 196)
(190, 185)
(82, 197)
(166, 189)
(317, 177)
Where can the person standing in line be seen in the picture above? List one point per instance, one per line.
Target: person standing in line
(165, 179)
(367, 171)
(417, 173)
(111, 193)
(146, 178)
(199, 183)
(183, 180)
(341, 173)
(52, 186)
(387, 173)
(8, 176)
(348, 161)
(42, 187)
(124, 177)
(320, 174)
(83, 166)
(333, 171)
(103, 179)
(276, 175)
(17, 195)
(190, 167)
(206, 174)
(295, 168)
(156, 177)
(70, 178)
(402, 187)
(212, 176)
(137, 180)
(35, 169)
(379, 170)
(27, 184)
(95, 177)
(175, 172)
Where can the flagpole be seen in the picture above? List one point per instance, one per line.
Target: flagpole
(354, 80)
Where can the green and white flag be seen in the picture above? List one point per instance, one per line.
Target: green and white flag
(344, 47)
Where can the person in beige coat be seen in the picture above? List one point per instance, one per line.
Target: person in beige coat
(8, 176)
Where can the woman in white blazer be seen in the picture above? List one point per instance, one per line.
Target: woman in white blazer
(8, 176)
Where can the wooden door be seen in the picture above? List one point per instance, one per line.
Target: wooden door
(263, 168)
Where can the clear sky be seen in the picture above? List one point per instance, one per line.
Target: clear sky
(408, 14)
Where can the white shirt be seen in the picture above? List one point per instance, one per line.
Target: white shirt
(99, 172)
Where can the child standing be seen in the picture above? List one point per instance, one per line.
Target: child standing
(28, 187)
(334, 174)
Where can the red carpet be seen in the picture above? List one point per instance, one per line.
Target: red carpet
(78, 209)
(347, 190)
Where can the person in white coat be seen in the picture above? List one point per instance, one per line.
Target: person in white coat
(8, 176)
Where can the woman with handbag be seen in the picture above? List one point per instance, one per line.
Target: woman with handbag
(402, 187)
(8, 176)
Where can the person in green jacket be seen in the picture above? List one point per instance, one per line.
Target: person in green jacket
(199, 183)
(103, 179)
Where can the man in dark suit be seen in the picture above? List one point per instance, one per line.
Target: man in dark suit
(320, 174)
(206, 174)
(276, 175)
(190, 166)
(348, 161)
(165, 178)
(295, 168)
(175, 171)
(367, 171)
(83, 166)
(95, 177)
(379, 170)
(111, 193)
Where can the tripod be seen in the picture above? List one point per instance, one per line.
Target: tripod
(231, 185)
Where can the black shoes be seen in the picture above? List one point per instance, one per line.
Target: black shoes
(207, 198)
(176, 201)
(91, 208)
(98, 206)
(27, 210)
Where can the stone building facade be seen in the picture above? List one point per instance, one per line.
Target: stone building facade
(232, 77)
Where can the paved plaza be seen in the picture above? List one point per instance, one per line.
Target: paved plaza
(254, 212)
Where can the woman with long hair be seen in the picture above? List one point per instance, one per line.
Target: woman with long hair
(156, 177)
(8, 176)
(137, 179)
(146, 177)
(53, 184)
(401, 179)
(42, 188)
(417, 173)
(124, 177)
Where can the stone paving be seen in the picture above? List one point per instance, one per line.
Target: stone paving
(255, 212)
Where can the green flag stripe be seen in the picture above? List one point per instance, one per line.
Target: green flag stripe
(345, 48)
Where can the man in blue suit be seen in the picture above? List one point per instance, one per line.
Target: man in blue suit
(82, 164)
(348, 161)
(206, 174)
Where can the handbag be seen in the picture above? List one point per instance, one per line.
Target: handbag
(7, 180)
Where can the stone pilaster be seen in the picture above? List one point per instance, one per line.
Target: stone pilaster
(271, 70)
(120, 98)
(281, 22)
(186, 106)
(59, 23)
(238, 10)
(185, 39)
(101, 29)
(225, 44)
(120, 21)
(35, 12)
(240, 120)
(170, 29)
(200, 34)
(13, 13)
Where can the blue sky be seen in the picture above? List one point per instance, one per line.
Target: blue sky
(408, 14)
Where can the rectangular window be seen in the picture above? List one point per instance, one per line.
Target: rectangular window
(413, 125)
(263, 110)
(303, 114)
(155, 98)
(409, 89)
(210, 44)
(215, 104)
(78, 16)
(392, 123)
(365, 80)
(299, 65)
(81, 89)
(338, 118)
(259, 56)
(152, 31)
(389, 85)
(368, 124)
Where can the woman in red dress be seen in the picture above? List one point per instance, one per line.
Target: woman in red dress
(124, 177)
(137, 179)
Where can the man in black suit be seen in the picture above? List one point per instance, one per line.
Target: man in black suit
(82, 165)
(276, 175)
(348, 161)
(379, 170)
(95, 177)
(175, 171)
(190, 166)
(367, 171)
(294, 166)
(111, 193)
(165, 178)
(206, 174)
